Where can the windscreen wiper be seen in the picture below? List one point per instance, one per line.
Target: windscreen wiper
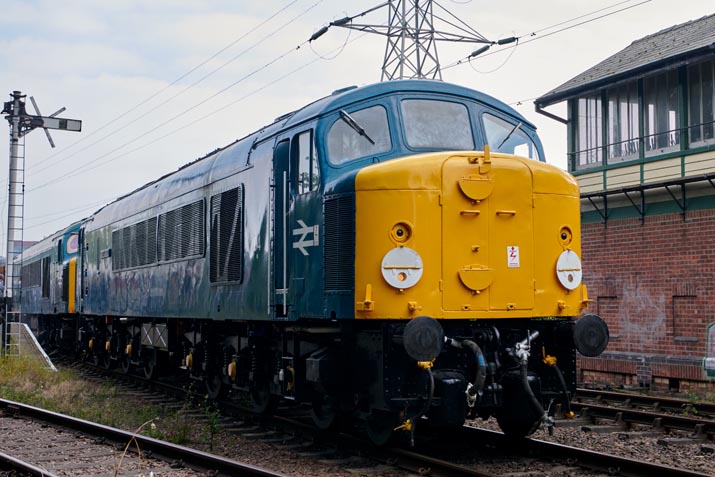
(509, 135)
(355, 126)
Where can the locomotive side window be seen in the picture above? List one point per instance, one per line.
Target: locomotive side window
(226, 239)
(436, 124)
(46, 277)
(72, 246)
(181, 232)
(307, 172)
(359, 134)
(503, 136)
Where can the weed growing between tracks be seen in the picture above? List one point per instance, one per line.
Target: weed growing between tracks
(27, 381)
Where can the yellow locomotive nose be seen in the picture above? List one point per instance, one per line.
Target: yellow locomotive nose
(459, 235)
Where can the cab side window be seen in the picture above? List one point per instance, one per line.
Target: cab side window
(306, 174)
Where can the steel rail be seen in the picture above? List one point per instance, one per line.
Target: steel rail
(657, 402)
(414, 462)
(599, 461)
(24, 467)
(637, 416)
(160, 449)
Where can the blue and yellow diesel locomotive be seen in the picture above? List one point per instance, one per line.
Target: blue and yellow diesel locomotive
(390, 252)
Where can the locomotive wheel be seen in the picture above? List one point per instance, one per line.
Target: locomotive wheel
(215, 389)
(516, 428)
(107, 361)
(151, 364)
(324, 412)
(262, 400)
(126, 363)
(380, 426)
(517, 418)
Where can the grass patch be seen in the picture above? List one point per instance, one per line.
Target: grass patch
(28, 381)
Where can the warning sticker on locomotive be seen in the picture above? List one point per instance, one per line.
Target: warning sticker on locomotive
(512, 256)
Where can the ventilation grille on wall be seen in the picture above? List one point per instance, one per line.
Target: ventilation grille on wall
(227, 236)
(135, 245)
(31, 274)
(181, 232)
(340, 243)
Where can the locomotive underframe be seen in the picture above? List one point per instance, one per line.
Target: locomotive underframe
(358, 368)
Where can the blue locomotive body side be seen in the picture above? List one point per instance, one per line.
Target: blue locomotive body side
(127, 268)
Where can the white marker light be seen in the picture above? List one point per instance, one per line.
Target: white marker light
(402, 267)
(568, 270)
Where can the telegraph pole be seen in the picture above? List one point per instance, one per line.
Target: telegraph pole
(21, 124)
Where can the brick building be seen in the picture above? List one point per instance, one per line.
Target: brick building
(641, 142)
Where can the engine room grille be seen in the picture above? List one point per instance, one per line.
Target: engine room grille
(135, 245)
(340, 243)
(227, 236)
(31, 274)
(181, 232)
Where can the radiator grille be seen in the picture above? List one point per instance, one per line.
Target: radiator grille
(340, 243)
(31, 274)
(227, 236)
(135, 245)
(181, 232)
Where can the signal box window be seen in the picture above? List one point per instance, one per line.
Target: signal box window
(307, 173)
(503, 136)
(358, 134)
(587, 132)
(437, 124)
(662, 113)
(701, 86)
(623, 127)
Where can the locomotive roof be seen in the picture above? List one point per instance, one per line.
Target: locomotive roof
(348, 96)
(219, 162)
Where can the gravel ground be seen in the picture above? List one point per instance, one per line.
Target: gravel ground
(294, 457)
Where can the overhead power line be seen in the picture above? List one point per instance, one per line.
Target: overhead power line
(482, 52)
(83, 170)
(191, 108)
(159, 92)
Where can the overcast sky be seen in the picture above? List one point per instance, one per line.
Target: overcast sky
(119, 66)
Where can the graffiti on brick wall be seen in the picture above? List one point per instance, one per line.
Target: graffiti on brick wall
(709, 361)
(642, 317)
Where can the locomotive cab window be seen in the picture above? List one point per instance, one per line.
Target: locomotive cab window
(72, 245)
(358, 134)
(434, 124)
(306, 175)
(503, 136)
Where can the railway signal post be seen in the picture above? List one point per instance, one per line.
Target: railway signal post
(21, 123)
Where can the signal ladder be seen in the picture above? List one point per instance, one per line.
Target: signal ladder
(15, 227)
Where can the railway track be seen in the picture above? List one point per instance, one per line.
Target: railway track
(642, 401)
(341, 449)
(627, 410)
(41, 442)
(605, 463)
